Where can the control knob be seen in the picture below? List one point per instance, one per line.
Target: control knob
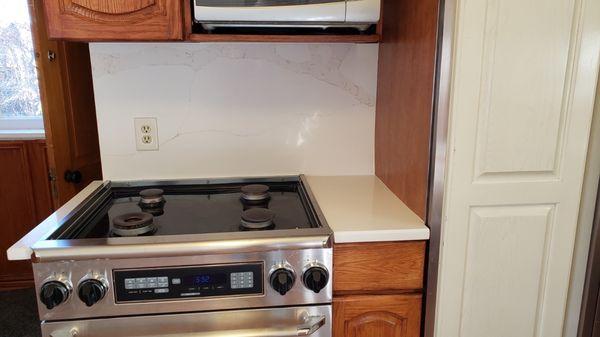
(315, 278)
(282, 280)
(91, 291)
(53, 294)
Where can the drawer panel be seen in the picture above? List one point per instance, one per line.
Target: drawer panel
(381, 266)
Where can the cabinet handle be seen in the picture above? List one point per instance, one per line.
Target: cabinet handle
(73, 176)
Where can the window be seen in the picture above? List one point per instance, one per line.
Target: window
(20, 106)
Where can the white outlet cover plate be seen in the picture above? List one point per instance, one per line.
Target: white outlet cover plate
(146, 134)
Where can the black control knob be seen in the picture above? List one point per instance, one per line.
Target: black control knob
(282, 280)
(91, 291)
(315, 278)
(53, 293)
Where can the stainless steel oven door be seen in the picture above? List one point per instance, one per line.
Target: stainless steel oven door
(314, 321)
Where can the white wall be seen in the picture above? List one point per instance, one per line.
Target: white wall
(237, 109)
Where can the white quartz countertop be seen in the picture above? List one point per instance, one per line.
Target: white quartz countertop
(363, 209)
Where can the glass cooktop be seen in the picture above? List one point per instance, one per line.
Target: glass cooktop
(156, 209)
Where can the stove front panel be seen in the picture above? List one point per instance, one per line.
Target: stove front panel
(141, 286)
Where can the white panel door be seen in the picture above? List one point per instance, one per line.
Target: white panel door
(523, 88)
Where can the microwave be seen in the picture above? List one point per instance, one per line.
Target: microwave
(359, 14)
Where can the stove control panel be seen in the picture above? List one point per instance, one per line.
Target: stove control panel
(188, 282)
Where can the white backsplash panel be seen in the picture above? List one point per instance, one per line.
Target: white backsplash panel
(236, 109)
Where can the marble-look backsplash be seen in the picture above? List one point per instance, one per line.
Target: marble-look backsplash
(236, 109)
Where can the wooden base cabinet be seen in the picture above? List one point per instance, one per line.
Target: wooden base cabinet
(377, 289)
(25, 200)
(377, 316)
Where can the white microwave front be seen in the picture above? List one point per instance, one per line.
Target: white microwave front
(357, 13)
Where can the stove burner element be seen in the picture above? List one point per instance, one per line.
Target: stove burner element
(133, 224)
(258, 218)
(151, 198)
(255, 193)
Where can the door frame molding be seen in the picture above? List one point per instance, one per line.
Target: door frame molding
(438, 154)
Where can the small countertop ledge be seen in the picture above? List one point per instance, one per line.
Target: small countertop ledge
(8, 135)
(363, 209)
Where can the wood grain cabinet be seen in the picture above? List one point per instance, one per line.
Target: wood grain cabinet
(377, 289)
(115, 20)
(377, 316)
(25, 200)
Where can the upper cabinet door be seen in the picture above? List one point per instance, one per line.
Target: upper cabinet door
(116, 20)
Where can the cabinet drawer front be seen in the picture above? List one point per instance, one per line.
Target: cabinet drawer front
(382, 266)
(101, 20)
(377, 316)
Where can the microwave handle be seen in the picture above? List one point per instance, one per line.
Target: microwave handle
(311, 325)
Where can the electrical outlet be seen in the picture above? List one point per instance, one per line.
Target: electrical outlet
(146, 134)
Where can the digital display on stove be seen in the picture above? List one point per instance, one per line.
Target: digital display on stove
(205, 279)
(185, 282)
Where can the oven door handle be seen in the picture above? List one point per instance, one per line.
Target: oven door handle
(311, 325)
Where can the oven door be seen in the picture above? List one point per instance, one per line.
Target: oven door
(314, 321)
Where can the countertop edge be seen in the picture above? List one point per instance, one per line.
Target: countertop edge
(389, 235)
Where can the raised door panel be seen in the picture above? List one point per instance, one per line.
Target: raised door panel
(97, 20)
(516, 239)
(376, 323)
(519, 50)
(377, 316)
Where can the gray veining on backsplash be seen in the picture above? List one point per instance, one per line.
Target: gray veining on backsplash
(236, 109)
(323, 62)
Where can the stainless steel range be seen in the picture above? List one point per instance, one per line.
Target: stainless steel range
(235, 257)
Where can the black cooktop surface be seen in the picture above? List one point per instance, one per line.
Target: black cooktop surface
(195, 209)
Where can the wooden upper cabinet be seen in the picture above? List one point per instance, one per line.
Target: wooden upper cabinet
(114, 20)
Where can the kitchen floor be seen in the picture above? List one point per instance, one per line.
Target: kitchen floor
(18, 314)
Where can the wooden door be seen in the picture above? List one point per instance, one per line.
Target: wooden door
(97, 20)
(377, 316)
(67, 94)
(523, 87)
